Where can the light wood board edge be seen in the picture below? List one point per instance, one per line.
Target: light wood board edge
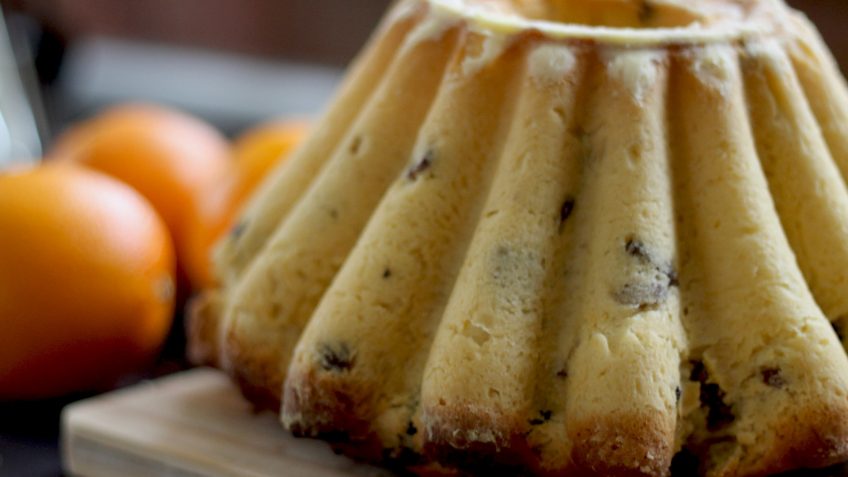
(186, 425)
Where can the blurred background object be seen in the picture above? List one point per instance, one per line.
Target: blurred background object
(232, 62)
(830, 16)
(19, 135)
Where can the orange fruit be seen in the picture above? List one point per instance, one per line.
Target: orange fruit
(260, 149)
(171, 158)
(86, 281)
(256, 153)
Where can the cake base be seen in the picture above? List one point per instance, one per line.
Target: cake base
(196, 423)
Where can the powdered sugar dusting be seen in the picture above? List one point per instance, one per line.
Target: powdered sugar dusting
(636, 70)
(713, 65)
(552, 63)
(493, 46)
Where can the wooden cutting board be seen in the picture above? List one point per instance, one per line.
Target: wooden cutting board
(197, 424)
(189, 424)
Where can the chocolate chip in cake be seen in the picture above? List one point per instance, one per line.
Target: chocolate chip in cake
(387, 273)
(699, 372)
(562, 374)
(238, 230)
(565, 211)
(336, 358)
(650, 288)
(637, 249)
(544, 416)
(334, 214)
(411, 430)
(355, 145)
(719, 414)
(772, 377)
(646, 11)
(673, 280)
(678, 393)
(645, 296)
(422, 165)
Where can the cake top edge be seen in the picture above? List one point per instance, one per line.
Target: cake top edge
(621, 22)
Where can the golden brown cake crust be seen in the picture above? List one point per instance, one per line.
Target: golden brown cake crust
(256, 373)
(636, 445)
(810, 438)
(330, 407)
(203, 331)
(458, 434)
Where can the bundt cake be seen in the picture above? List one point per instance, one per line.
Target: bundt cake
(557, 237)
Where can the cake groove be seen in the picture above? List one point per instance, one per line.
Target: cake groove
(528, 247)
(275, 298)
(785, 328)
(288, 184)
(626, 312)
(804, 180)
(358, 307)
(501, 288)
(555, 340)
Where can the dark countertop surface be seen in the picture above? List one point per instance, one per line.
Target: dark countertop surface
(29, 438)
(30, 430)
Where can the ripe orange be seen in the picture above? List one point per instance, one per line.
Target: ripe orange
(171, 158)
(86, 281)
(260, 149)
(256, 153)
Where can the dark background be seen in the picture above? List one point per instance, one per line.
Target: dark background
(252, 51)
(323, 31)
